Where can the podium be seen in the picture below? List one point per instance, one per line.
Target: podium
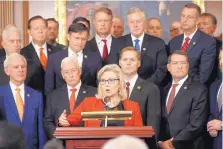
(95, 137)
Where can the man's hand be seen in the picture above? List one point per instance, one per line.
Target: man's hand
(63, 119)
(213, 133)
(166, 144)
(214, 125)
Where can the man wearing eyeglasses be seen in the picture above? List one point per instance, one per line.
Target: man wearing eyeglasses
(11, 42)
(66, 98)
(201, 48)
(175, 29)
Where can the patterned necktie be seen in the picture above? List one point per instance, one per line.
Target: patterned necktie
(19, 103)
(171, 97)
(105, 50)
(127, 89)
(43, 59)
(72, 99)
(220, 99)
(137, 47)
(185, 45)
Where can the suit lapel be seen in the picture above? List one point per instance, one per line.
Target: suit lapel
(33, 53)
(165, 94)
(27, 105)
(193, 41)
(64, 99)
(81, 94)
(136, 89)
(180, 42)
(144, 46)
(128, 41)
(180, 94)
(11, 103)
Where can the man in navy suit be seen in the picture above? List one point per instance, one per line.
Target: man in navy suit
(77, 37)
(152, 49)
(200, 47)
(23, 106)
(215, 124)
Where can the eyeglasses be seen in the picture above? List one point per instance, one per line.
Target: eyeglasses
(109, 81)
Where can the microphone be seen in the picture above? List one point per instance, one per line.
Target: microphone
(107, 101)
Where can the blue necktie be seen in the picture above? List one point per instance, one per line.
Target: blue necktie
(137, 47)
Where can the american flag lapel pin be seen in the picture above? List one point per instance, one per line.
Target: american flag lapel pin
(84, 92)
(144, 49)
(85, 56)
(138, 87)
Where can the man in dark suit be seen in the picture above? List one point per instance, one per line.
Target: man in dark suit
(184, 107)
(23, 105)
(11, 42)
(200, 47)
(153, 53)
(215, 124)
(52, 33)
(37, 52)
(144, 92)
(77, 37)
(2, 109)
(103, 46)
(60, 100)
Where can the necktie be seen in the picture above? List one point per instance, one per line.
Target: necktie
(19, 103)
(137, 47)
(171, 97)
(185, 44)
(127, 89)
(72, 99)
(105, 50)
(220, 99)
(43, 59)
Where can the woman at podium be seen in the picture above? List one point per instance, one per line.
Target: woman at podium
(111, 96)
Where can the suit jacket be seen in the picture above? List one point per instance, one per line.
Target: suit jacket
(57, 101)
(214, 112)
(32, 124)
(4, 79)
(60, 46)
(113, 57)
(153, 57)
(94, 104)
(201, 52)
(187, 117)
(147, 95)
(36, 78)
(54, 79)
(2, 109)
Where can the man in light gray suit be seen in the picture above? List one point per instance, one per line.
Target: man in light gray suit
(142, 91)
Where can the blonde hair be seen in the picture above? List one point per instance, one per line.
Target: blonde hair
(117, 70)
(135, 10)
(105, 10)
(138, 55)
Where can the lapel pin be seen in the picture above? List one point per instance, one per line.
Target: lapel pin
(138, 87)
(85, 56)
(185, 87)
(194, 43)
(84, 92)
(28, 95)
(144, 49)
(49, 49)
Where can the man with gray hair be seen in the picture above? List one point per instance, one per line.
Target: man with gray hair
(125, 142)
(67, 97)
(11, 42)
(152, 49)
(23, 105)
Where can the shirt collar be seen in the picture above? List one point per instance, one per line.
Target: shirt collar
(99, 39)
(78, 86)
(38, 47)
(71, 52)
(191, 35)
(180, 83)
(140, 38)
(133, 80)
(13, 86)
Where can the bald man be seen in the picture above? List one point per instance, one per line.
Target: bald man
(117, 27)
(175, 29)
(154, 27)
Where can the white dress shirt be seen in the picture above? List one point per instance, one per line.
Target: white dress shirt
(78, 56)
(180, 83)
(191, 36)
(101, 44)
(140, 40)
(22, 91)
(36, 47)
(78, 86)
(132, 83)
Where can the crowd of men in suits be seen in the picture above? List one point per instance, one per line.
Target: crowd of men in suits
(169, 82)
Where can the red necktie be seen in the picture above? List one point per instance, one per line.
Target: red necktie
(185, 45)
(127, 89)
(105, 50)
(72, 99)
(171, 97)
